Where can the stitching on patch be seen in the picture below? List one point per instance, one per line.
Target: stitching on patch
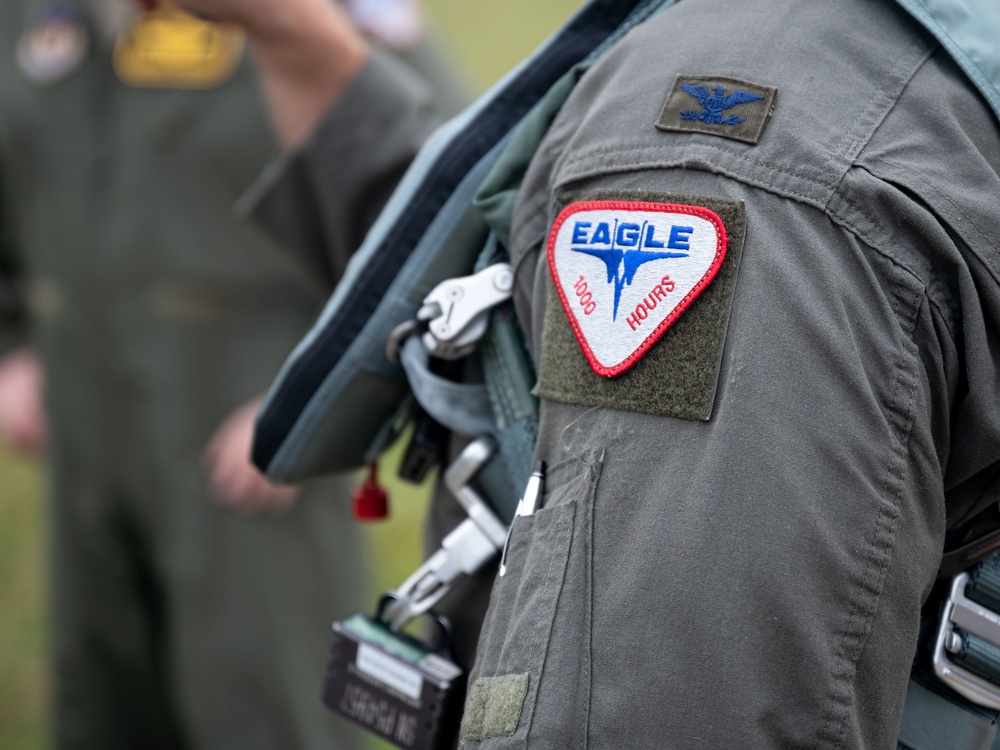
(755, 102)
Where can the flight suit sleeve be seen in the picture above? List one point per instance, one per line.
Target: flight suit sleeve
(753, 458)
(320, 200)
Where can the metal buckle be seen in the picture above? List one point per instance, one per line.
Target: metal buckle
(457, 310)
(455, 315)
(960, 611)
(463, 552)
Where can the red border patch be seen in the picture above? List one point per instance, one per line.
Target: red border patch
(680, 307)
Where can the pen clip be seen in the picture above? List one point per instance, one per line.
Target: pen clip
(526, 506)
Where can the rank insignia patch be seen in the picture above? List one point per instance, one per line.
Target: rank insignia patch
(717, 105)
(626, 270)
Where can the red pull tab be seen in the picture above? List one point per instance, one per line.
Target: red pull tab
(370, 500)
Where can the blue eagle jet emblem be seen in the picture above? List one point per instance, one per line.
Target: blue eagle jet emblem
(622, 263)
(715, 104)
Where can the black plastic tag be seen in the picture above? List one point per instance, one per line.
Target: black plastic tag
(394, 686)
(426, 449)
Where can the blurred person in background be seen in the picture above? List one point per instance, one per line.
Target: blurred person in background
(191, 599)
(735, 547)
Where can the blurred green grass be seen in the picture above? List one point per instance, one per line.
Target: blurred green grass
(488, 39)
(492, 37)
(23, 676)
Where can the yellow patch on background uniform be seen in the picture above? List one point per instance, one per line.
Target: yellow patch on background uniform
(168, 48)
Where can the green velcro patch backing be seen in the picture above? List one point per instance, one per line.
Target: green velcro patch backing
(675, 371)
(493, 707)
(716, 105)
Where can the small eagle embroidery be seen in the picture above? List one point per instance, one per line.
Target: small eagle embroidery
(715, 104)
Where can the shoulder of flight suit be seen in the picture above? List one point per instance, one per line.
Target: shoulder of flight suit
(875, 129)
(320, 200)
(765, 567)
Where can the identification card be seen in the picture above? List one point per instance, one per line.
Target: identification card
(393, 686)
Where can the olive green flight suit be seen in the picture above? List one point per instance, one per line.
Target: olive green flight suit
(176, 623)
(736, 554)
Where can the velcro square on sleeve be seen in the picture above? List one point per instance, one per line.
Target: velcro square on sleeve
(493, 707)
(641, 287)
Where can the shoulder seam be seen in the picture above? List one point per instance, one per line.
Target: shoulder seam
(870, 120)
(774, 180)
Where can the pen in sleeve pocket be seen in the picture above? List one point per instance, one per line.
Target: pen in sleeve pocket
(526, 506)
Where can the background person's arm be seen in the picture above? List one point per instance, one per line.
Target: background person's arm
(23, 424)
(307, 52)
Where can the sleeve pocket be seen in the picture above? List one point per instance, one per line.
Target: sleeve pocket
(513, 648)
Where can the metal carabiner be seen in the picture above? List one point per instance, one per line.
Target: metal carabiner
(472, 544)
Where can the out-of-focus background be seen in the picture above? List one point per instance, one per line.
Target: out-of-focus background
(488, 38)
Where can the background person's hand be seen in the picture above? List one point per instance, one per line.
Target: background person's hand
(307, 53)
(23, 426)
(234, 481)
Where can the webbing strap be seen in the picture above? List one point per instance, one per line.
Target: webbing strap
(461, 407)
(509, 380)
(934, 722)
(510, 376)
(979, 657)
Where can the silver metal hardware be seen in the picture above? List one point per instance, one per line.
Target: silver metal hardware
(455, 315)
(396, 338)
(457, 479)
(961, 612)
(457, 310)
(463, 552)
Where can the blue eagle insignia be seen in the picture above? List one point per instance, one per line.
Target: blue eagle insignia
(715, 104)
(623, 262)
